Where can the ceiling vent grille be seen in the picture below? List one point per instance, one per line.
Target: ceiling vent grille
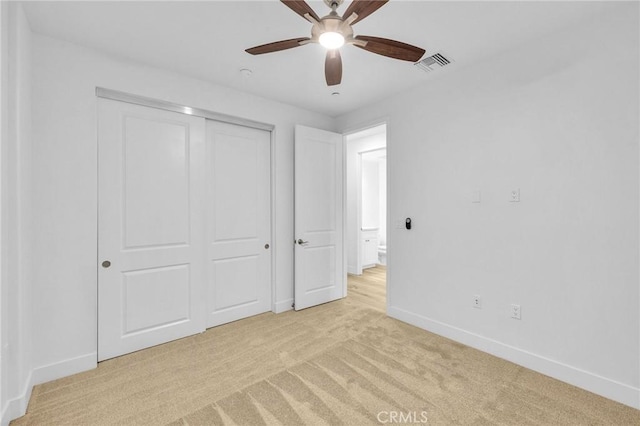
(433, 62)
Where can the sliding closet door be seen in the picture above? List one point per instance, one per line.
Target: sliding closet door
(151, 237)
(238, 222)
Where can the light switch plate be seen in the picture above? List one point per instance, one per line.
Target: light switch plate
(516, 312)
(514, 195)
(475, 196)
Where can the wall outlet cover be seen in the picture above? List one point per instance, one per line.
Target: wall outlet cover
(477, 302)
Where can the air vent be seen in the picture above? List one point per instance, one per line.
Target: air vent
(433, 62)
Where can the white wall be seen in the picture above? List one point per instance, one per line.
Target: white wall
(65, 179)
(15, 294)
(370, 193)
(367, 140)
(557, 118)
(4, 141)
(382, 204)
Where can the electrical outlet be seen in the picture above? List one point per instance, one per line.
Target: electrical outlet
(477, 302)
(515, 311)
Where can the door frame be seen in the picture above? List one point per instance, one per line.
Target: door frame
(359, 229)
(384, 121)
(209, 115)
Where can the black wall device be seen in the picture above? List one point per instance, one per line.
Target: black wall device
(407, 223)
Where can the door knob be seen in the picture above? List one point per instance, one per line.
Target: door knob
(266, 246)
(301, 242)
(106, 264)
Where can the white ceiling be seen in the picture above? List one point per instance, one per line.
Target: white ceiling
(207, 39)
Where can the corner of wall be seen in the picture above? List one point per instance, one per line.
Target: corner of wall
(17, 406)
(68, 367)
(4, 54)
(15, 316)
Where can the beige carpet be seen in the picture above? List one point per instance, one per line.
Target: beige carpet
(340, 363)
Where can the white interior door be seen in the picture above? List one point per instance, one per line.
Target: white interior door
(319, 221)
(239, 222)
(151, 233)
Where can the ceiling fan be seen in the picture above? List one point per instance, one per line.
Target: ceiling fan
(333, 31)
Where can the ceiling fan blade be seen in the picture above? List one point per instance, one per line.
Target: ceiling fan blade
(276, 46)
(391, 48)
(363, 8)
(333, 67)
(301, 8)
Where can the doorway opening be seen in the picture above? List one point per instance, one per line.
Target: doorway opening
(366, 222)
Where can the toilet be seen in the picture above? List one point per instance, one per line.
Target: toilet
(382, 254)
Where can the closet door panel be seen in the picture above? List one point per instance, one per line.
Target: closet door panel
(239, 222)
(151, 269)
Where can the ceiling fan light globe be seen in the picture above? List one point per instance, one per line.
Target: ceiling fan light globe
(331, 40)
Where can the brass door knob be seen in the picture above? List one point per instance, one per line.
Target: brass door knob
(106, 264)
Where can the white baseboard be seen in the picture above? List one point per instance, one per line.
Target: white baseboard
(351, 269)
(283, 306)
(65, 368)
(603, 386)
(17, 407)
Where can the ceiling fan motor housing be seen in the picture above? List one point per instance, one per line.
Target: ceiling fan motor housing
(333, 24)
